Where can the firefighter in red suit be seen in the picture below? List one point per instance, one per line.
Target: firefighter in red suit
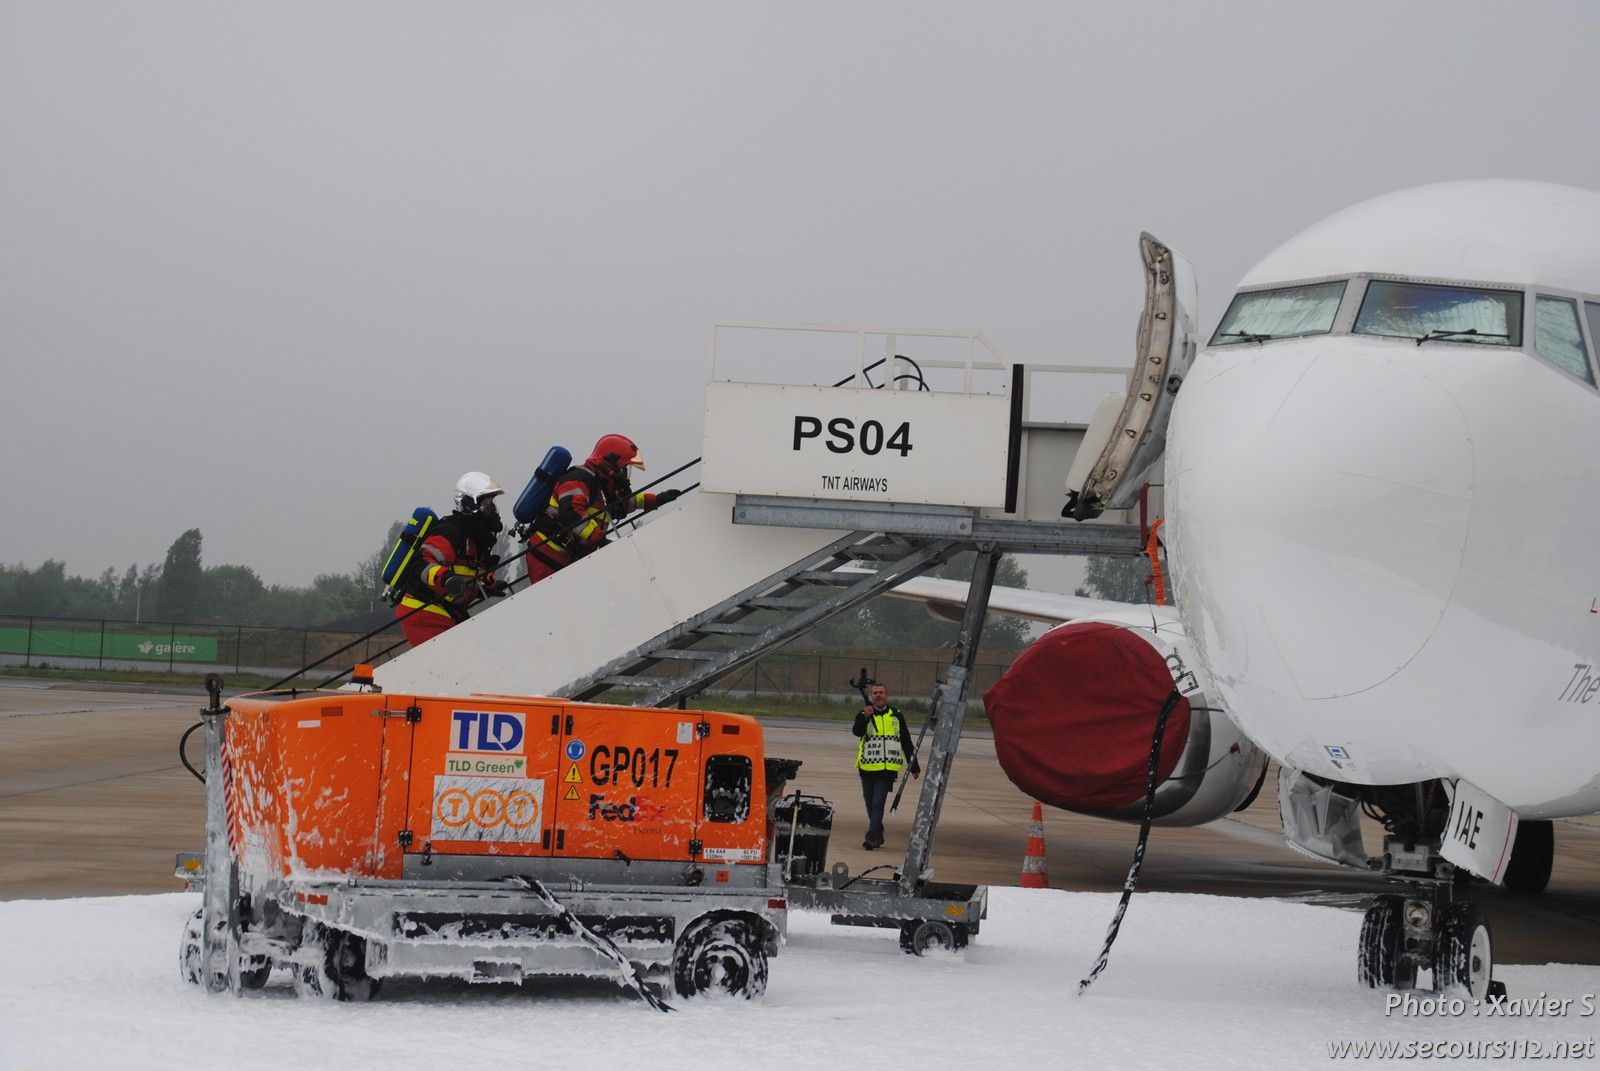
(586, 499)
(456, 559)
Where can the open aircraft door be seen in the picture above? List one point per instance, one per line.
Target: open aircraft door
(1124, 444)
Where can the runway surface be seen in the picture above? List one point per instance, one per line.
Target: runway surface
(93, 802)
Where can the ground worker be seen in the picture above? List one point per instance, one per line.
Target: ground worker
(880, 755)
(586, 499)
(456, 559)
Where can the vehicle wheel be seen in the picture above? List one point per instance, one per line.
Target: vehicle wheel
(720, 955)
(1465, 952)
(1379, 961)
(340, 970)
(1533, 854)
(191, 949)
(254, 971)
(919, 938)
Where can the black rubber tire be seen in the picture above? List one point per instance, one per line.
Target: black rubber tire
(1379, 963)
(1533, 856)
(191, 949)
(1464, 953)
(253, 971)
(919, 937)
(721, 955)
(340, 970)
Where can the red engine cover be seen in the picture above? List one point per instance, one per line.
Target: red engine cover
(1074, 715)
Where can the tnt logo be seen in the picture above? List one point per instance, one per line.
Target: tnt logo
(483, 730)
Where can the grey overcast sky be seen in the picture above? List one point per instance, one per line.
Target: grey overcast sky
(282, 271)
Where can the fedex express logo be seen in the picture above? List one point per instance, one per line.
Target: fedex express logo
(486, 730)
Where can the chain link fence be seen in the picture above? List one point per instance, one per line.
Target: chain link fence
(176, 647)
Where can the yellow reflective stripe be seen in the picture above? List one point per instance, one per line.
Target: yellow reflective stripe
(429, 608)
(431, 575)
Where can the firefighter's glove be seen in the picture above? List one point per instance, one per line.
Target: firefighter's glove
(457, 587)
(667, 496)
(916, 771)
(497, 589)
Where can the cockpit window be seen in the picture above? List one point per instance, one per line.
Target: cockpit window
(1442, 313)
(1557, 337)
(1262, 315)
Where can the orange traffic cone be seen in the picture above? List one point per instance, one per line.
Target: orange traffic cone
(1033, 872)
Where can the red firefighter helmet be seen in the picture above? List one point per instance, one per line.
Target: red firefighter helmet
(616, 452)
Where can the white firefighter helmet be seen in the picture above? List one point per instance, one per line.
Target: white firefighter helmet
(472, 487)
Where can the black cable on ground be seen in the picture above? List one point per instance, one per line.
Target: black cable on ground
(1138, 852)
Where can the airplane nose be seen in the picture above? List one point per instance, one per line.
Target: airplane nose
(1319, 495)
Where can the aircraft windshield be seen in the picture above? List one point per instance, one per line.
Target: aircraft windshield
(1292, 311)
(1445, 313)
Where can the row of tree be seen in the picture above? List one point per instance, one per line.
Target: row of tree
(182, 588)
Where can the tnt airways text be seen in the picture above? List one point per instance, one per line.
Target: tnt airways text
(845, 438)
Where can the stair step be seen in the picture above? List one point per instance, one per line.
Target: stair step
(683, 654)
(827, 576)
(769, 603)
(634, 682)
(730, 628)
(875, 553)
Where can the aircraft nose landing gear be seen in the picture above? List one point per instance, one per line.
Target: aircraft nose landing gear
(1401, 935)
(1431, 927)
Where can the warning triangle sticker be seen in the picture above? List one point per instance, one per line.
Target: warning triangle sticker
(573, 776)
(572, 793)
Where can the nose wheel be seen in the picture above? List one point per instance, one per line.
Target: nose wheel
(1464, 955)
(1451, 938)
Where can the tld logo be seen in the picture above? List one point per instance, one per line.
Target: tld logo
(483, 730)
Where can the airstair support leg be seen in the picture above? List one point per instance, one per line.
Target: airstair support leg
(950, 711)
(216, 940)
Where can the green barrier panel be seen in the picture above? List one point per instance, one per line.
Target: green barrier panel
(149, 646)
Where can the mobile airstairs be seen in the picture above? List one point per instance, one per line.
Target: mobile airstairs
(815, 499)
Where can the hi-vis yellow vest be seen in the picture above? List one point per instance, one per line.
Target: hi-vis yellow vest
(879, 747)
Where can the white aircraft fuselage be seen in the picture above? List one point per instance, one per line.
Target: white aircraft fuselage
(1388, 551)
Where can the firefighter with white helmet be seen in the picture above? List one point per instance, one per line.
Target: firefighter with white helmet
(456, 558)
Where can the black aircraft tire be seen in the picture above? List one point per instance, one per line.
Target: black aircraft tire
(1379, 964)
(1465, 953)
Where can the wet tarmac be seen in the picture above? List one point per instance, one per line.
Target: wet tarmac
(94, 802)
